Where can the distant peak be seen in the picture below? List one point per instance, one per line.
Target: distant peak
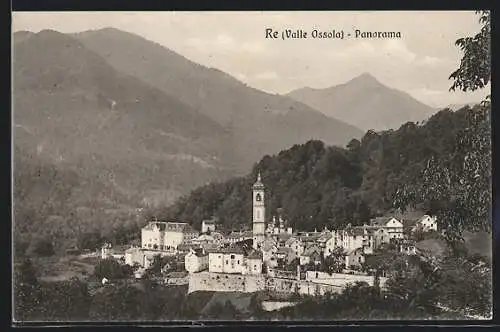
(365, 77)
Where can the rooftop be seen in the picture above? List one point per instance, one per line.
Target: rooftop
(170, 226)
(254, 254)
(229, 250)
(381, 221)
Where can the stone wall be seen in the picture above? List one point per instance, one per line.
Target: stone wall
(340, 279)
(223, 282)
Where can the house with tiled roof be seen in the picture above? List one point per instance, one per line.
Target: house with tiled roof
(185, 247)
(392, 225)
(312, 253)
(204, 238)
(196, 260)
(296, 245)
(269, 249)
(285, 254)
(253, 262)
(426, 223)
(354, 258)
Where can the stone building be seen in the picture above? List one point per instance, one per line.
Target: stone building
(226, 260)
(196, 261)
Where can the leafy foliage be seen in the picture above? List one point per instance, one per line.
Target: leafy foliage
(441, 167)
(456, 187)
(475, 67)
(111, 269)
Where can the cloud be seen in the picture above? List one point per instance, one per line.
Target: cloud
(397, 49)
(430, 60)
(224, 40)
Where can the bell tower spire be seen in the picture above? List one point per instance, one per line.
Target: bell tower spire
(259, 213)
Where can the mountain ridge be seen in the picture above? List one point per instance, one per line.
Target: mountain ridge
(260, 122)
(364, 102)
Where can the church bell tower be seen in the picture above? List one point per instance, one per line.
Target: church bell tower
(259, 213)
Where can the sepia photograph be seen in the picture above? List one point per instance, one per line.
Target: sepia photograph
(314, 166)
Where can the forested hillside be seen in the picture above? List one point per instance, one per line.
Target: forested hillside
(318, 185)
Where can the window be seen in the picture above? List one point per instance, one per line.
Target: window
(227, 262)
(317, 275)
(232, 256)
(258, 198)
(238, 261)
(255, 267)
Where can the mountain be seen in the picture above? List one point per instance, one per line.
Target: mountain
(19, 36)
(366, 103)
(127, 143)
(259, 122)
(317, 185)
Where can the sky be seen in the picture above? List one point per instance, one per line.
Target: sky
(418, 63)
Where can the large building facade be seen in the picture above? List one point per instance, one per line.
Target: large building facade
(166, 236)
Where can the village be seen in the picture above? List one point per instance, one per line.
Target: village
(272, 256)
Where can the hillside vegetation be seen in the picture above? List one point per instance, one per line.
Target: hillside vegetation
(318, 185)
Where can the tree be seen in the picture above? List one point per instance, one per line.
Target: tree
(335, 262)
(89, 240)
(41, 246)
(109, 268)
(456, 187)
(26, 290)
(475, 67)
(459, 185)
(65, 301)
(117, 304)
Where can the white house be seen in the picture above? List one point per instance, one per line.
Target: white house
(207, 226)
(253, 262)
(427, 223)
(393, 226)
(226, 260)
(196, 261)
